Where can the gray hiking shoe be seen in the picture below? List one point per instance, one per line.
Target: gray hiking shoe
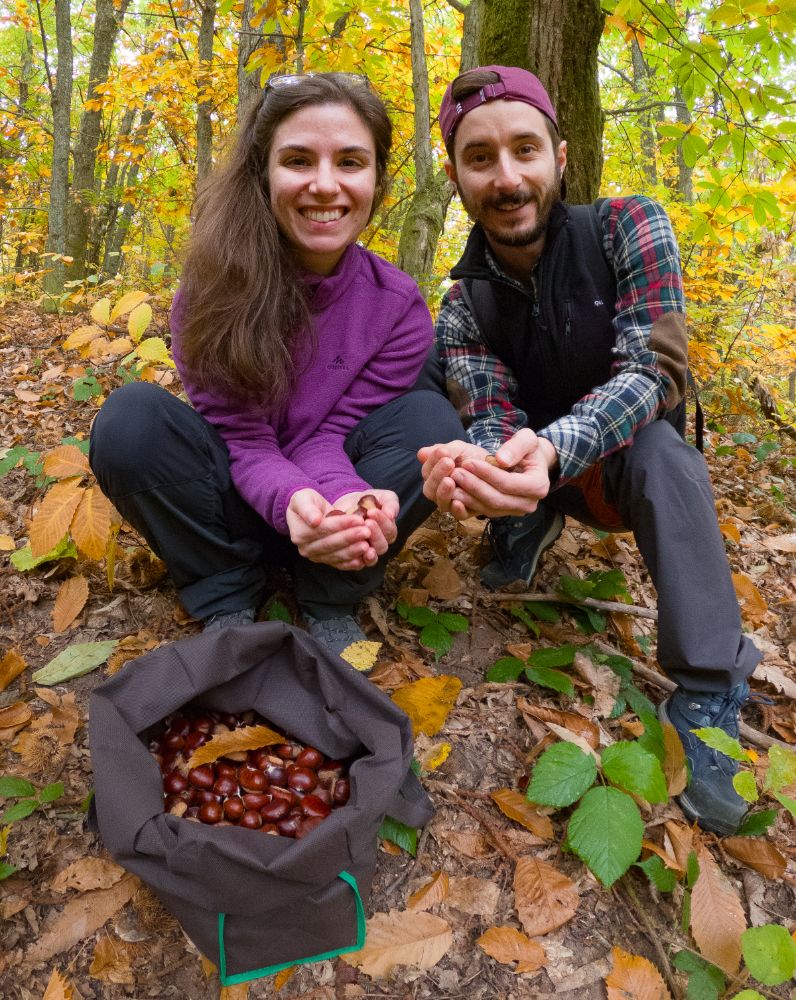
(337, 634)
(710, 798)
(517, 543)
(229, 619)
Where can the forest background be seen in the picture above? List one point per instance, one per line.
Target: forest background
(112, 113)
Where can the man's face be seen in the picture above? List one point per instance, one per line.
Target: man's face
(506, 171)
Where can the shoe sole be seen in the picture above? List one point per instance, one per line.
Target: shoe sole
(548, 540)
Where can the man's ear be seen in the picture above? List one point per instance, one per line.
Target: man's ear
(450, 170)
(562, 155)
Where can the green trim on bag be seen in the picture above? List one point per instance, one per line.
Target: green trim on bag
(243, 977)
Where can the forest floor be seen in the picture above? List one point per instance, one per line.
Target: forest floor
(107, 935)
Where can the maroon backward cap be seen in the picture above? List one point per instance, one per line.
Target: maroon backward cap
(515, 84)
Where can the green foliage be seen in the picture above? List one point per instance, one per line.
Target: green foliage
(705, 981)
(23, 560)
(436, 627)
(554, 679)
(28, 801)
(277, 612)
(602, 585)
(663, 878)
(398, 833)
(537, 669)
(769, 953)
(757, 823)
(717, 739)
(635, 770)
(606, 831)
(561, 775)
(75, 661)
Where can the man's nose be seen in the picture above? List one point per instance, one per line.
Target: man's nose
(507, 176)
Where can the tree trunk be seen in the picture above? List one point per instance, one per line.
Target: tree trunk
(204, 123)
(249, 89)
(641, 89)
(61, 97)
(83, 193)
(542, 35)
(104, 220)
(120, 221)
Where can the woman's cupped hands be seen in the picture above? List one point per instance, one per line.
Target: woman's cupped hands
(350, 534)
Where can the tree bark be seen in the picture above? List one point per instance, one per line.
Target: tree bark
(104, 220)
(61, 98)
(204, 122)
(83, 191)
(120, 221)
(249, 41)
(641, 88)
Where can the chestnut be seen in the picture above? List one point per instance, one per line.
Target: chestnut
(192, 812)
(179, 724)
(225, 786)
(252, 779)
(255, 800)
(229, 719)
(195, 740)
(341, 791)
(251, 820)
(301, 778)
(276, 773)
(309, 824)
(270, 828)
(310, 757)
(274, 810)
(259, 758)
(202, 776)
(210, 812)
(173, 741)
(286, 794)
(330, 771)
(226, 770)
(174, 782)
(311, 805)
(289, 826)
(203, 724)
(323, 793)
(202, 795)
(234, 808)
(287, 751)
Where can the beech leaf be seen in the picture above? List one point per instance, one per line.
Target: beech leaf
(544, 897)
(112, 962)
(69, 602)
(235, 741)
(127, 302)
(717, 917)
(92, 522)
(674, 766)
(633, 976)
(507, 945)
(428, 702)
(75, 661)
(11, 666)
(517, 807)
(433, 892)
(101, 311)
(417, 940)
(58, 988)
(761, 855)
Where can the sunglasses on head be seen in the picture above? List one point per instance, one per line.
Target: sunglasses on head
(284, 81)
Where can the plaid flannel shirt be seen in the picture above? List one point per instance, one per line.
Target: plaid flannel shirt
(640, 245)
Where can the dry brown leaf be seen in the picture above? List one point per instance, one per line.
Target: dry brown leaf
(717, 917)
(781, 543)
(475, 896)
(63, 719)
(112, 961)
(666, 858)
(51, 521)
(544, 897)
(91, 525)
(443, 581)
(625, 627)
(674, 766)
(681, 837)
(517, 807)
(15, 716)
(64, 461)
(604, 682)
(209, 968)
(11, 666)
(730, 530)
(7, 543)
(585, 728)
(470, 843)
(283, 977)
(428, 701)
(507, 945)
(69, 602)
(130, 648)
(239, 991)
(753, 606)
(86, 874)
(58, 988)
(418, 940)
(755, 853)
(390, 848)
(568, 736)
(235, 741)
(433, 892)
(777, 678)
(414, 597)
(634, 978)
(79, 919)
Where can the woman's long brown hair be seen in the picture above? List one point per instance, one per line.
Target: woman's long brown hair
(243, 310)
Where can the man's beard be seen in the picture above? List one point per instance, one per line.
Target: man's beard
(545, 202)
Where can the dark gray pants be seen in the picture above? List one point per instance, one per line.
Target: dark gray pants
(166, 470)
(660, 490)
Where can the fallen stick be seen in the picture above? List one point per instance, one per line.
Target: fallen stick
(588, 602)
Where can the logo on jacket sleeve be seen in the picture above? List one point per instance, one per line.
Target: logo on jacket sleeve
(338, 365)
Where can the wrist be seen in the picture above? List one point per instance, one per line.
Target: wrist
(550, 454)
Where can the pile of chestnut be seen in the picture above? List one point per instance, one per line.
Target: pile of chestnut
(284, 789)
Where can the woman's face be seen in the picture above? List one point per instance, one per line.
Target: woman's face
(322, 176)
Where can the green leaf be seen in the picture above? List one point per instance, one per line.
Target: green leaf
(588, 621)
(573, 586)
(636, 770)
(551, 679)
(705, 981)
(748, 995)
(85, 388)
(454, 623)
(769, 953)
(397, 833)
(744, 784)
(11, 458)
(19, 810)
(765, 449)
(691, 870)
(787, 801)
(717, 739)
(435, 636)
(544, 612)
(420, 616)
(507, 668)
(14, 788)
(528, 621)
(781, 769)
(606, 831)
(561, 775)
(23, 560)
(6, 870)
(620, 665)
(652, 737)
(278, 612)
(608, 584)
(51, 792)
(640, 704)
(558, 656)
(756, 824)
(660, 876)
(75, 661)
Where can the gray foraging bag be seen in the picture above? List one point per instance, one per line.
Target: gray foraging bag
(254, 903)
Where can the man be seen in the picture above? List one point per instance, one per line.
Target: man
(567, 330)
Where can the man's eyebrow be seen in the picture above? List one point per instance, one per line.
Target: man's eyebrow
(517, 137)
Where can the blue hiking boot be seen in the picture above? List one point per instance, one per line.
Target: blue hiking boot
(710, 798)
(517, 544)
(229, 619)
(337, 634)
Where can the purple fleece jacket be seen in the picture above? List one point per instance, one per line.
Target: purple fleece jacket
(373, 333)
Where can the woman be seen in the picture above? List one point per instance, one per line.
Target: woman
(300, 352)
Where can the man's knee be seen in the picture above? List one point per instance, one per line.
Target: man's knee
(659, 450)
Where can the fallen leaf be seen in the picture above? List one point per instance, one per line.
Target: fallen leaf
(362, 655)
(417, 940)
(15, 716)
(477, 897)
(75, 661)
(777, 678)
(664, 855)
(753, 606)
(517, 807)
(470, 843)
(544, 897)
(604, 682)
(471, 527)
(11, 666)
(634, 978)
(64, 461)
(79, 919)
(781, 543)
(730, 530)
(443, 581)
(755, 853)
(428, 701)
(209, 968)
(58, 988)
(235, 741)
(569, 737)
(239, 991)
(86, 874)
(69, 602)
(507, 945)
(130, 648)
(717, 917)
(435, 756)
(681, 838)
(112, 961)
(433, 892)
(414, 597)
(7, 543)
(674, 761)
(584, 728)
(51, 521)
(281, 978)
(92, 523)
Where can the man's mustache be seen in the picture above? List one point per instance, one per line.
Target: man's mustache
(515, 200)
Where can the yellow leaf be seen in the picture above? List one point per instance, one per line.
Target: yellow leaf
(127, 302)
(208, 968)
(730, 530)
(753, 606)
(101, 311)
(433, 892)
(54, 516)
(154, 349)
(69, 602)
(435, 756)
(14, 716)
(11, 666)
(64, 461)
(674, 765)
(717, 917)
(544, 897)
(91, 524)
(755, 853)
(239, 991)
(281, 978)
(418, 940)
(7, 543)
(362, 655)
(138, 320)
(245, 738)
(634, 978)
(81, 336)
(517, 807)
(58, 988)
(507, 945)
(428, 701)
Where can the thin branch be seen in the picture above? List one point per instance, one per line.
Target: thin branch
(458, 5)
(50, 84)
(589, 602)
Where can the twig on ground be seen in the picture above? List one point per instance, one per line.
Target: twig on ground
(588, 602)
(411, 866)
(638, 910)
(491, 832)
